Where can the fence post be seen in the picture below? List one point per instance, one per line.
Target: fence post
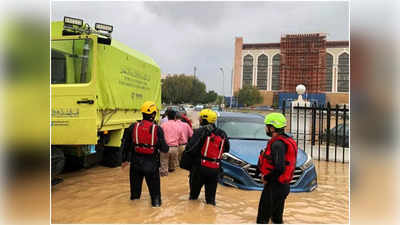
(298, 119)
(344, 130)
(304, 128)
(336, 130)
(313, 122)
(290, 113)
(328, 129)
(320, 128)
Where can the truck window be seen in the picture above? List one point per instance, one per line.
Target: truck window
(71, 61)
(58, 67)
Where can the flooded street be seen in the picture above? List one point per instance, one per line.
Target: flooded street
(101, 195)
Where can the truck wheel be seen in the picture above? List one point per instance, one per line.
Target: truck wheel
(57, 163)
(112, 157)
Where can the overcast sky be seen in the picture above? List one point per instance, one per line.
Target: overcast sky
(181, 35)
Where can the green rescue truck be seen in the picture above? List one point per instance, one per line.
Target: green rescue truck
(97, 87)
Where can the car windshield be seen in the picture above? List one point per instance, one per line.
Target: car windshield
(243, 128)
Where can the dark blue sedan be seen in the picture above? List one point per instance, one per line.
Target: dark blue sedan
(247, 138)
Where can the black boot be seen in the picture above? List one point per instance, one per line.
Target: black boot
(192, 198)
(135, 196)
(211, 203)
(156, 202)
(56, 180)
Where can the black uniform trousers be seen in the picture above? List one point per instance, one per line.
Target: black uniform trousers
(272, 202)
(200, 176)
(152, 178)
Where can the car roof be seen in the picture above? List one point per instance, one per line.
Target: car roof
(239, 115)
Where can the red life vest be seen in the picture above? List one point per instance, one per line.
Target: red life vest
(265, 159)
(212, 150)
(144, 137)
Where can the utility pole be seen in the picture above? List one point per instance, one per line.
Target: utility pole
(194, 80)
(223, 86)
(231, 88)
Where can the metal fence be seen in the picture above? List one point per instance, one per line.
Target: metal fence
(321, 130)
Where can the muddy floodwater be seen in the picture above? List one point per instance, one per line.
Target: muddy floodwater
(101, 195)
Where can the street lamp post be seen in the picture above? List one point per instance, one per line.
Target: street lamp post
(223, 86)
(230, 106)
(194, 80)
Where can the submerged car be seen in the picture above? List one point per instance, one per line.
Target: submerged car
(198, 107)
(175, 108)
(247, 138)
(342, 136)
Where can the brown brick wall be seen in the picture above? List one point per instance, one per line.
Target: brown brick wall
(337, 98)
(237, 63)
(268, 98)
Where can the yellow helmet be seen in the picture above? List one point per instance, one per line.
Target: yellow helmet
(148, 107)
(208, 115)
(277, 120)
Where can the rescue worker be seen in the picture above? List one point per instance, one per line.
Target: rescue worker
(186, 134)
(206, 147)
(276, 164)
(141, 144)
(172, 131)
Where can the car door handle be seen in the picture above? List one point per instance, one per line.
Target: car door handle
(85, 101)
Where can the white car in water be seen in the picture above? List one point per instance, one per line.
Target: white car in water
(188, 108)
(199, 107)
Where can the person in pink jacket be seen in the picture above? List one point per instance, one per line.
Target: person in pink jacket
(172, 133)
(186, 133)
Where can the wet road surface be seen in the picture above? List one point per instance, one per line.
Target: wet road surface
(101, 195)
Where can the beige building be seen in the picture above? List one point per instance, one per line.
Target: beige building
(259, 64)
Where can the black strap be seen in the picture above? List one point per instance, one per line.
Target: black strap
(210, 159)
(143, 145)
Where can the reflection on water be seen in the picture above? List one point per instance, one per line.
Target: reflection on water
(101, 195)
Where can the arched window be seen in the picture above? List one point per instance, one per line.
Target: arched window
(248, 70)
(262, 72)
(276, 62)
(328, 73)
(343, 73)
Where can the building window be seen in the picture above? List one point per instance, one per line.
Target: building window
(328, 73)
(276, 62)
(248, 70)
(262, 72)
(343, 73)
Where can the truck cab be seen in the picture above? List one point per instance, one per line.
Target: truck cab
(97, 87)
